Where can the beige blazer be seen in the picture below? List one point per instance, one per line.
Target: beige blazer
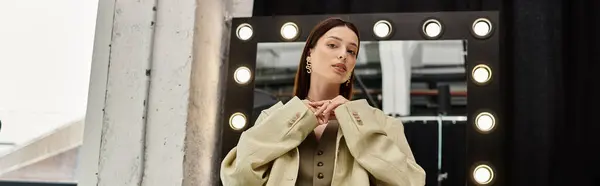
(369, 143)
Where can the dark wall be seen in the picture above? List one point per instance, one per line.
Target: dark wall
(552, 54)
(304, 7)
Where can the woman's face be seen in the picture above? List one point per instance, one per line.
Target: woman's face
(334, 56)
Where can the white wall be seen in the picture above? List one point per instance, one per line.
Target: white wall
(45, 57)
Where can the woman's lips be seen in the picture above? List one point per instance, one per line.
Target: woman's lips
(341, 68)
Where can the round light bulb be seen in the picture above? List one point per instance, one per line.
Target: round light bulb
(482, 73)
(432, 28)
(242, 75)
(485, 122)
(244, 31)
(289, 31)
(483, 174)
(237, 121)
(482, 27)
(382, 29)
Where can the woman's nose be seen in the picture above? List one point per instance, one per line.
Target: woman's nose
(343, 55)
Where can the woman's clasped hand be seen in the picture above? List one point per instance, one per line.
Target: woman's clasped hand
(324, 109)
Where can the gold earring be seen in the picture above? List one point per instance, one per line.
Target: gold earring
(308, 67)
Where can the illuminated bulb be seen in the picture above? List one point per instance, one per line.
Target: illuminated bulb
(237, 121)
(432, 28)
(482, 27)
(242, 75)
(482, 73)
(382, 28)
(485, 122)
(289, 31)
(483, 174)
(244, 31)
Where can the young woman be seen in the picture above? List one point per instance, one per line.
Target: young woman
(320, 137)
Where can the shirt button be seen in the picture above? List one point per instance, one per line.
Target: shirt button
(320, 164)
(320, 176)
(320, 152)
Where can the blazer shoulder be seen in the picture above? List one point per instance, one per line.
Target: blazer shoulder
(273, 108)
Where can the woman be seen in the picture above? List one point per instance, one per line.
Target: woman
(320, 137)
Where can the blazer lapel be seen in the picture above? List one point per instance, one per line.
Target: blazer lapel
(336, 164)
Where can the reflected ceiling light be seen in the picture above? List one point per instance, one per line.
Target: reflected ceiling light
(481, 74)
(483, 174)
(289, 31)
(382, 29)
(237, 121)
(432, 28)
(482, 27)
(242, 75)
(244, 31)
(485, 122)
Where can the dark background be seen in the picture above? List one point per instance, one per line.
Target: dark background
(553, 55)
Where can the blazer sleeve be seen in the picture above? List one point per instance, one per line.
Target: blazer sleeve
(277, 130)
(378, 144)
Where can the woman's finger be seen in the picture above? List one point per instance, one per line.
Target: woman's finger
(334, 104)
(313, 109)
(340, 99)
(322, 108)
(318, 103)
(326, 116)
(320, 120)
(330, 108)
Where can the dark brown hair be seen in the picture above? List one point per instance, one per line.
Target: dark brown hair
(302, 82)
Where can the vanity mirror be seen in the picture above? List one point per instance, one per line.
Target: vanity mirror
(437, 72)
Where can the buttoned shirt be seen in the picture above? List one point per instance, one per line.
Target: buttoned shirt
(317, 157)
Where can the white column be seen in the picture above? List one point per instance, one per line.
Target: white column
(89, 155)
(123, 132)
(242, 8)
(395, 59)
(203, 128)
(388, 81)
(168, 93)
(153, 115)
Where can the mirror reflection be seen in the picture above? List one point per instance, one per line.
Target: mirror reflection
(403, 78)
(423, 83)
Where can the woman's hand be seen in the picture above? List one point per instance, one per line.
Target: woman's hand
(326, 107)
(314, 109)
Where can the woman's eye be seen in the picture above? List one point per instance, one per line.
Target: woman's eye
(331, 45)
(351, 52)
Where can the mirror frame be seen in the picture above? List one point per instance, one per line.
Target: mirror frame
(481, 147)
